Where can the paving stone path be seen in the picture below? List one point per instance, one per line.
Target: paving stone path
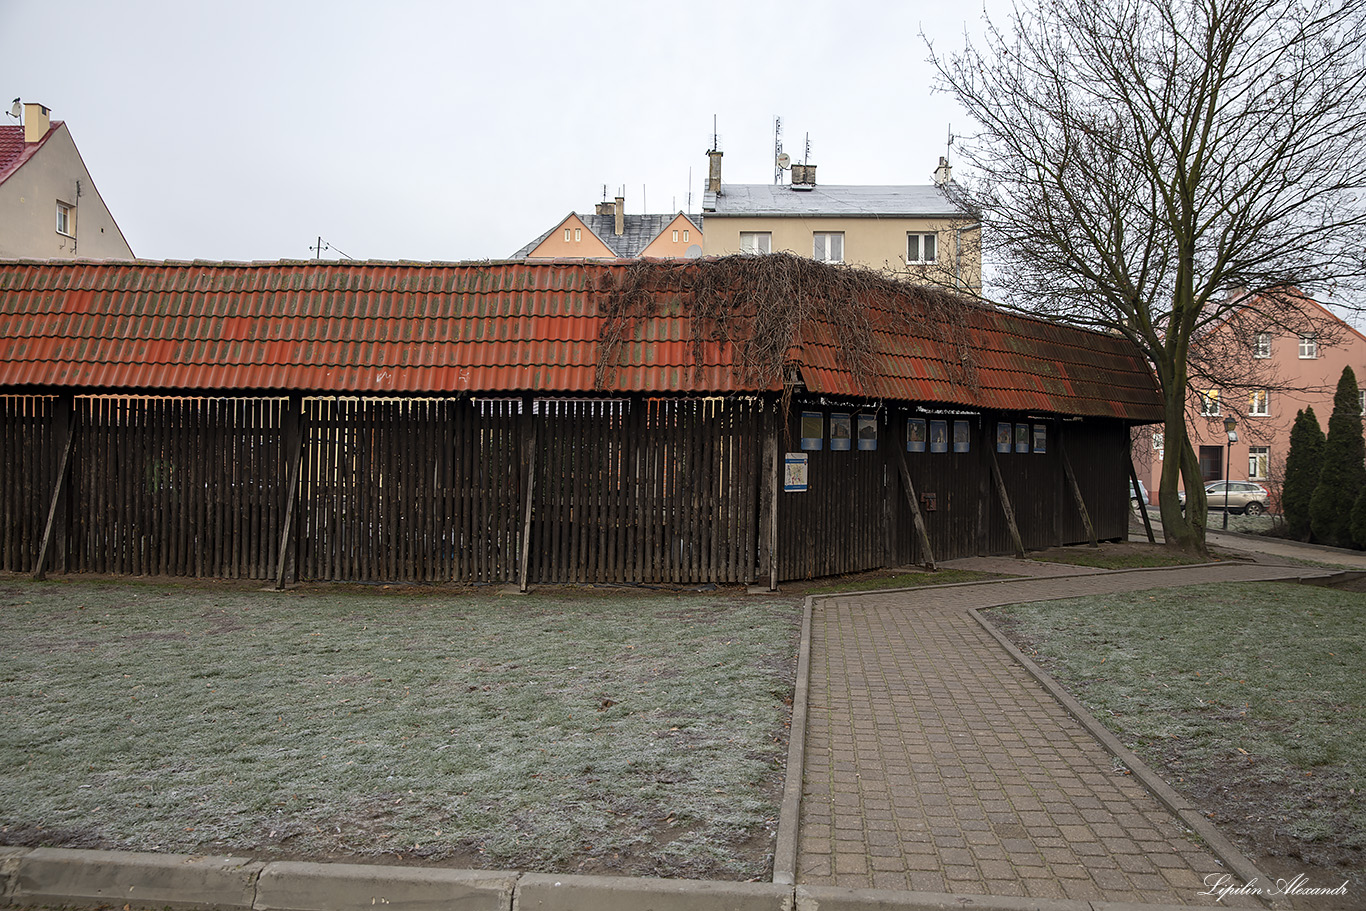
(935, 762)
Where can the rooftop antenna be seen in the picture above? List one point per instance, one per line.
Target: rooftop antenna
(807, 157)
(949, 146)
(778, 156)
(604, 192)
(715, 139)
(689, 189)
(324, 245)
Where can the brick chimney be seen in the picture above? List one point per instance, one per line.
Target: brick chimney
(714, 171)
(36, 121)
(620, 228)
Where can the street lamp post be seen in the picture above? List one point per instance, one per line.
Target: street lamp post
(1231, 427)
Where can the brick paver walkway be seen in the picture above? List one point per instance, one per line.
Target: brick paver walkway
(934, 762)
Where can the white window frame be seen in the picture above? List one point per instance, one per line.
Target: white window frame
(1259, 403)
(1261, 345)
(578, 235)
(66, 215)
(675, 236)
(1209, 403)
(756, 243)
(1361, 397)
(1309, 347)
(922, 240)
(568, 234)
(825, 239)
(1258, 462)
(685, 235)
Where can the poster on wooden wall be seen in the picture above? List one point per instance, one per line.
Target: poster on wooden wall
(1040, 437)
(813, 429)
(916, 434)
(939, 436)
(1022, 438)
(867, 431)
(841, 431)
(960, 436)
(795, 472)
(1003, 431)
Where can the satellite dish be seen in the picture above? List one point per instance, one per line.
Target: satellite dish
(784, 160)
(694, 252)
(16, 109)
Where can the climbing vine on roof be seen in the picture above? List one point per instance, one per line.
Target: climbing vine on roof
(761, 306)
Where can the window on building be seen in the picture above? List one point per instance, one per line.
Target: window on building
(1259, 402)
(921, 248)
(685, 235)
(675, 237)
(567, 235)
(829, 246)
(1209, 403)
(756, 242)
(578, 234)
(1361, 397)
(1261, 345)
(1258, 461)
(1309, 346)
(65, 218)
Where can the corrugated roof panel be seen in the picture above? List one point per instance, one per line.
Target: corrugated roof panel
(499, 327)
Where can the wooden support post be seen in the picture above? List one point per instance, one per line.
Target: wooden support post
(1142, 507)
(295, 432)
(1005, 503)
(773, 471)
(1076, 491)
(63, 432)
(529, 489)
(917, 517)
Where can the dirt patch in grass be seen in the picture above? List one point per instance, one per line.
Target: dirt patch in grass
(1127, 555)
(567, 731)
(1250, 699)
(874, 580)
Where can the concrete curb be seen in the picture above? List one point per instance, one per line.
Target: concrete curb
(789, 817)
(56, 877)
(290, 886)
(1187, 812)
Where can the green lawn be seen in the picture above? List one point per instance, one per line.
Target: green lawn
(607, 732)
(1251, 697)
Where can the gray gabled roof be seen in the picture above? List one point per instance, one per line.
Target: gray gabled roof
(831, 199)
(638, 231)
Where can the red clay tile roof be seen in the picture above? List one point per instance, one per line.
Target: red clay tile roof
(14, 151)
(491, 327)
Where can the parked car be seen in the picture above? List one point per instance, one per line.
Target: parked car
(1243, 497)
(1138, 496)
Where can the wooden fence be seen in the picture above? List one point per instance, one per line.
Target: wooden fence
(496, 490)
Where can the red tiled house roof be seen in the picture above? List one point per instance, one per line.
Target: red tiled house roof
(14, 151)
(498, 327)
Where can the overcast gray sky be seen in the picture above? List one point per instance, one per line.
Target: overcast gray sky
(447, 131)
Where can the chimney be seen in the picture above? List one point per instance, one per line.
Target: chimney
(621, 216)
(36, 121)
(803, 176)
(714, 171)
(605, 208)
(943, 174)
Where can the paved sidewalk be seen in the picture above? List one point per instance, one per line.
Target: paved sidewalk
(934, 762)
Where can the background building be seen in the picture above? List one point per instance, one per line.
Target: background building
(917, 231)
(49, 207)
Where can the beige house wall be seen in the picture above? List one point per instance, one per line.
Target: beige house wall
(582, 243)
(1306, 382)
(874, 242)
(28, 208)
(665, 247)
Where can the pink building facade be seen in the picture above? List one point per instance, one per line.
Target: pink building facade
(1299, 371)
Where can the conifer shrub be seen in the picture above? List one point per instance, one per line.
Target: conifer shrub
(1344, 468)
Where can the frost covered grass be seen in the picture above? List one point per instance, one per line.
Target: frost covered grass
(1251, 697)
(608, 732)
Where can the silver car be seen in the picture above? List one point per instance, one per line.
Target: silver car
(1243, 496)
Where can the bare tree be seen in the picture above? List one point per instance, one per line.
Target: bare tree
(1159, 167)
